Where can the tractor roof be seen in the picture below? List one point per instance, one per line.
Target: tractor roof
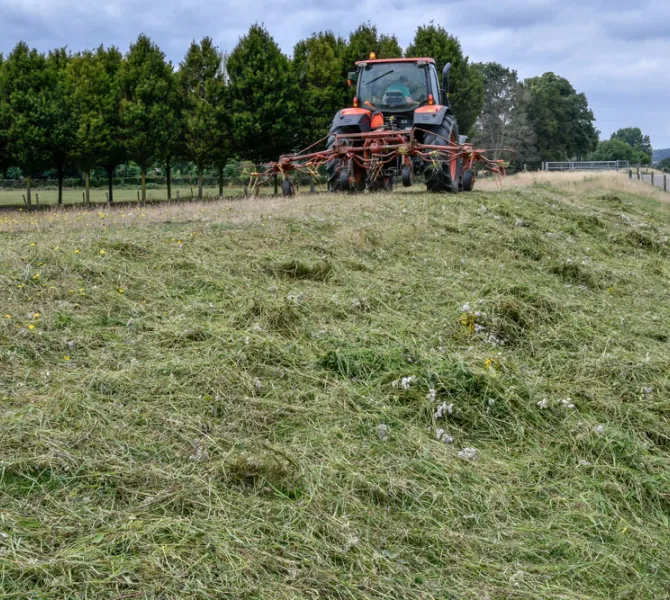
(393, 60)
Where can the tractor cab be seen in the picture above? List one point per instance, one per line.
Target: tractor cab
(397, 87)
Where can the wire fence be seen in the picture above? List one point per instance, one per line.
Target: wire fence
(654, 177)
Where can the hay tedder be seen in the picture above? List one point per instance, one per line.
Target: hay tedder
(401, 123)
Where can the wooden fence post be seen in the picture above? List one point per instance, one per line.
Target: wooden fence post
(37, 198)
(638, 173)
(652, 178)
(665, 183)
(630, 173)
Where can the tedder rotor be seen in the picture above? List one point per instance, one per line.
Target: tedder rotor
(401, 123)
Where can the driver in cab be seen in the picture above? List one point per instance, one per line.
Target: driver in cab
(402, 86)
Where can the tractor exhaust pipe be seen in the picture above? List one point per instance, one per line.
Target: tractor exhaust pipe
(445, 84)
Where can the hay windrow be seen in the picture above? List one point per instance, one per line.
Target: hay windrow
(403, 396)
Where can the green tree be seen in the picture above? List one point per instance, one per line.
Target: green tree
(364, 40)
(111, 151)
(612, 149)
(318, 67)
(466, 89)
(61, 126)
(664, 165)
(146, 82)
(203, 86)
(263, 98)
(560, 117)
(26, 84)
(640, 143)
(4, 126)
(503, 121)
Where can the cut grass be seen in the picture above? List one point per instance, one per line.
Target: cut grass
(215, 406)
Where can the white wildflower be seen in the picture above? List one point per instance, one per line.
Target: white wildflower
(466, 307)
(543, 403)
(351, 542)
(584, 463)
(468, 453)
(567, 402)
(431, 395)
(647, 390)
(383, 432)
(491, 401)
(71, 345)
(406, 382)
(246, 341)
(598, 429)
(442, 436)
(257, 383)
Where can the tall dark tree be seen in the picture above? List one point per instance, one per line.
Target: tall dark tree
(112, 151)
(26, 84)
(318, 67)
(561, 118)
(366, 39)
(146, 110)
(4, 125)
(203, 88)
(263, 98)
(503, 121)
(466, 91)
(61, 129)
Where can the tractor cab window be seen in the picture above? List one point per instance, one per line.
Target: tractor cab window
(392, 86)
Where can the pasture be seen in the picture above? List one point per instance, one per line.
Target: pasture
(401, 396)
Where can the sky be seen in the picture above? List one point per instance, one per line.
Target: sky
(617, 52)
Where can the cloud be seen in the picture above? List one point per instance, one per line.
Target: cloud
(616, 53)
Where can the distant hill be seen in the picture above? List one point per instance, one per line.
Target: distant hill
(660, 155)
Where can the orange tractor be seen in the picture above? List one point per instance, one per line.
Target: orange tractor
(401, 123)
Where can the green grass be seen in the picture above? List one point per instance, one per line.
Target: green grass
(98, 195)
(214, 407)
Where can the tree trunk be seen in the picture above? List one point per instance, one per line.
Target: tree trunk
(168, 175)
(87, 187)
(220, 182)
(144, 185)
(29, 200)
(199, 184)
(110, 183)
(61, 174)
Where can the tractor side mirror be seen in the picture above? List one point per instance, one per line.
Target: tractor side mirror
(445, 85)
(352, 76)
(445, 77)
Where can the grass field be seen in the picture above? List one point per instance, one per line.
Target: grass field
(74, 196)
(402, 396)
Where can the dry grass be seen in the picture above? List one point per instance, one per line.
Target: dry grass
(242, 399)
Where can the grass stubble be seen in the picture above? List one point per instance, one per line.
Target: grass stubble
(385, 396)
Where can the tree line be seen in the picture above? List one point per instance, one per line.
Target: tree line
(102, 108)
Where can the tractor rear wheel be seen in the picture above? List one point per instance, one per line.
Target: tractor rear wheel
(443, 175)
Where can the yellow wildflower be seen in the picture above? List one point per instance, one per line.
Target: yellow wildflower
(36, 315)
(66, 357)
(32, 244)
(77, 251)
(31, 326)
(121, 291)
(36, 276)
(8, 316)
(102, 252)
